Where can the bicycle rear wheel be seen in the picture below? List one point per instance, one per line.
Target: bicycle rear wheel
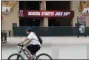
(43, 56)
(15, 57)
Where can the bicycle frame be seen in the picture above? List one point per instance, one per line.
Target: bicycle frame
(26, 53)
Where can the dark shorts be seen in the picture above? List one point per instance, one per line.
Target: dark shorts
(33, 48)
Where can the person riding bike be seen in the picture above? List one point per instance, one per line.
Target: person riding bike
(32, 41)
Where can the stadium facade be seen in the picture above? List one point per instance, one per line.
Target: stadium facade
(43, 14)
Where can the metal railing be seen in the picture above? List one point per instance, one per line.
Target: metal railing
(50, 31)
(44, 31)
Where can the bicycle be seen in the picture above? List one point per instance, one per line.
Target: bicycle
(32, 57)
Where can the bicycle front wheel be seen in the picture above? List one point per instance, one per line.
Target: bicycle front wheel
(43, 56)
(15, 57)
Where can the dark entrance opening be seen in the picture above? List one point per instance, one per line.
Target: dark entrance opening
(24, 21)
(59, 22)
(29, 5)
(59, 5)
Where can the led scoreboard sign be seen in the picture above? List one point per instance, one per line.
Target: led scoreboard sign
(48, 13)
(34, 13)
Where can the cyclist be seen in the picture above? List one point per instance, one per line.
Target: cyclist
(32, 41)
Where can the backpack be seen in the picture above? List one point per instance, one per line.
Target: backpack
(40, 40)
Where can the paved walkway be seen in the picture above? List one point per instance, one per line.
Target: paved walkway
(56, 47)
(54, 40)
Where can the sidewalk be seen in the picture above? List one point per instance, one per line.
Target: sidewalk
(54, 40)
(56, 47)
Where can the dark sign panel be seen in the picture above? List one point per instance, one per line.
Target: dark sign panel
(43, 13)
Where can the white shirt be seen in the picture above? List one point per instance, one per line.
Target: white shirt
(34, 39)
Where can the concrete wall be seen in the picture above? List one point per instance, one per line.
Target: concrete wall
(13, 17)
(75, 8)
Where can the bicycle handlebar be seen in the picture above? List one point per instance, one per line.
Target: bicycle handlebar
(20, 45)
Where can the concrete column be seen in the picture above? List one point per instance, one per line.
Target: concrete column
(41, 8)
(87, 20)
(75, 7)
(44, 22)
